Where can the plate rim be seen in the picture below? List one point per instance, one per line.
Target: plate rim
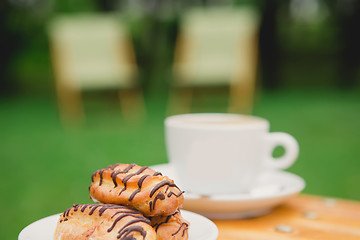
(186, 214)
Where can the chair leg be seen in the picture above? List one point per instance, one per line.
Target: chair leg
(132, 105)
(179, 101)
(70, 106)
(69, 99)
(241, 97)
(242, 91)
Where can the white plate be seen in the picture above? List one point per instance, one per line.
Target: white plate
(201, 228)
(271, 189)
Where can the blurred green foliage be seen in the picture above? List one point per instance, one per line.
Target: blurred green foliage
(154, 31)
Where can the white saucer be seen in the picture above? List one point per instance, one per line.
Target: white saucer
(201, 228)
(271, 189)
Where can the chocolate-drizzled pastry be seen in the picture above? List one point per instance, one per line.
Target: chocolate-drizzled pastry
(172, 227)
(99, 222)
(140, 188)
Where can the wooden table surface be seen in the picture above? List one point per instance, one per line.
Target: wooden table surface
(302, 217)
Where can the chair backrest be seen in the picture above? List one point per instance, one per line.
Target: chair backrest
(216, 44)
(92, 51)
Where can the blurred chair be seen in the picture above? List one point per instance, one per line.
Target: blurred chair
(93, 52)
(216, 47)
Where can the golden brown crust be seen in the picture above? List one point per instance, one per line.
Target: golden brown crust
(172, 227)
(103, 221)
(138, 187)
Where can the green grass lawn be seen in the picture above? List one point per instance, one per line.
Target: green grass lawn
(46, 168)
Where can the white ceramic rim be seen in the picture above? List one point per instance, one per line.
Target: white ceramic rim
(260, 123)
(298, 186)
(194, 219)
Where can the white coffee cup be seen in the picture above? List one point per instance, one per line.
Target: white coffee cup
(220, 153)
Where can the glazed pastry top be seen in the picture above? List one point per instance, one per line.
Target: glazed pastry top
(138, 187)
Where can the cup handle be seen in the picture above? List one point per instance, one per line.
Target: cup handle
(291, 146)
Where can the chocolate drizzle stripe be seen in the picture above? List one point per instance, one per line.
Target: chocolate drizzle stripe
(93, 209)
(157, 173)
(67, 212)
(166, 221)
(101, 172)
(167, 188)
(128, 168)
(160, 185)
(113, 176)
(160, 196)
(185, 229)
(134, 194)
(129, 230)
(112, 167)
(84, 207)
(141, 170)
(102, 210)
(125, 229)
(116, 220)
(119, 207)
(138, 218)
(127, 178)
(76, 207)
(183, 224)
(115, 173)
(140, 182)
(125, 211)
(177, 195)
(92, 177)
